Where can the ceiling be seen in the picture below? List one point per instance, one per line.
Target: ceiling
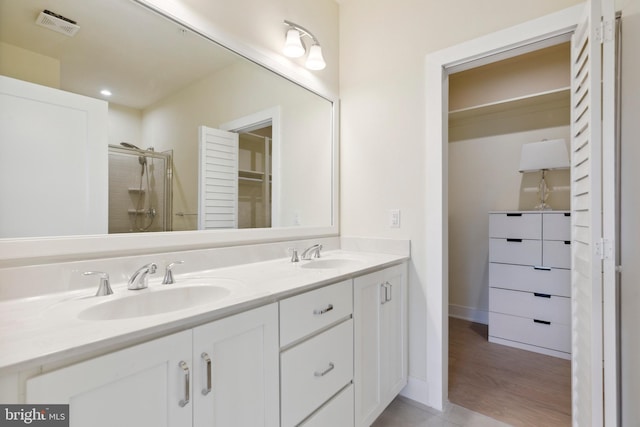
(140, 56)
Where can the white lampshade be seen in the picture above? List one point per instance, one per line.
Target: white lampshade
(544, 155)
(293, 47)
(315, 61)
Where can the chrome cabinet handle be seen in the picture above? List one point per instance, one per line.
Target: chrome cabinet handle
(326, 371)
(207, 361)
(318, 311)
(187, 386)
(387, 291)
(383, 294)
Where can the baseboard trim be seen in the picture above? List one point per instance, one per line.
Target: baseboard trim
(469, 313)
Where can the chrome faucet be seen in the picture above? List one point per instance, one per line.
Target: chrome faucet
(311, 252)
(138, 279)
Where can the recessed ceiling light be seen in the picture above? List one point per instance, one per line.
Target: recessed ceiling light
(105, 92)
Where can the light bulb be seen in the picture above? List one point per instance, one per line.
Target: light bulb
(315, 61)
(293, 47)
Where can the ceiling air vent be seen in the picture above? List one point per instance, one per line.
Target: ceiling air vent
(57, 23)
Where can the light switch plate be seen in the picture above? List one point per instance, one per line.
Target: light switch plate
(394, 218)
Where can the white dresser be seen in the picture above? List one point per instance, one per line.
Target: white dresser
(530, 281)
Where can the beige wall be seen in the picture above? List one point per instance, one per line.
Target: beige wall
(29, 66)
(383, 45)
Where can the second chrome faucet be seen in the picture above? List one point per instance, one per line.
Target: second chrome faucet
(139, 279)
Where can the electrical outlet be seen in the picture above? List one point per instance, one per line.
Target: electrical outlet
(394, 218)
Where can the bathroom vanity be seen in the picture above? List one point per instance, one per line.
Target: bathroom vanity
(315, 343)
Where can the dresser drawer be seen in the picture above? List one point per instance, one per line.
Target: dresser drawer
(515, 225)
(315, 370)
(556, 226)
(515, 251)
(303, 314)
(554, 336)
(556, 253)
(337, 412)
(544, 280)
(533, 305)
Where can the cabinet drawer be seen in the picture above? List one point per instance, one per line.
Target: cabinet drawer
(303, 314)
(515, 251)
(556, 226)
(540, 306)
(337, 412)
(515, 225)
(315, 370)
(556, 253)
(545, 280)
(555, 336)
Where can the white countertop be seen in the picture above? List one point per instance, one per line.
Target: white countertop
(46, 329)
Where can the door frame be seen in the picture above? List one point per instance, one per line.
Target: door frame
(512, 41)
(254, 121)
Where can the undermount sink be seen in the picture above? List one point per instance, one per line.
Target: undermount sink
(326, 263)
(154, 301)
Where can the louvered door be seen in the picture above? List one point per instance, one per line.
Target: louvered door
(217, 179)
(589, 117)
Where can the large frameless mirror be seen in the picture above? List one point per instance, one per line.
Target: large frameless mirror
(121, 120)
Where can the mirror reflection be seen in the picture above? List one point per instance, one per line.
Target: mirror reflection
(112, 111)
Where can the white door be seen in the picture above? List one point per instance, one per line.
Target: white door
(591, 139)
(217, 179)
(143, 386)
(236, 371)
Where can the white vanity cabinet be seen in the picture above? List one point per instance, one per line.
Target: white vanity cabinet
(380, 330)
(224, 373)
(530, 281)
(316, 361)
(235, 370)
(142, 385)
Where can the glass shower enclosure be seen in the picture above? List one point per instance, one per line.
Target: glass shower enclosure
(140, 189)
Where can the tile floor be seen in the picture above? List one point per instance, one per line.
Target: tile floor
(405, 413)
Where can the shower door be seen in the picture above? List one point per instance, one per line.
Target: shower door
(140, 190)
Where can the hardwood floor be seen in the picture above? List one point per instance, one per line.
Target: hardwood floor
(515, 386)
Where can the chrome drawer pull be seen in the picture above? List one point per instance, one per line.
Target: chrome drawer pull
(543, 322)
(207, 360)
(187, 386)
(536, 294)
(537, 267)
(326, 371)
(387, 291)
(514, 240)
(323, 310)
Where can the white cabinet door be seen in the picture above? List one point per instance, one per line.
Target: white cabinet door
(380, 341)
(144, 385)
(236, 374)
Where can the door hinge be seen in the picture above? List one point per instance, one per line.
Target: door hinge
(608, 30)
(604, 248)
(600, 32)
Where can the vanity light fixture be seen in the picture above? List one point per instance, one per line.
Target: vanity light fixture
(294, 48)
(544, 156)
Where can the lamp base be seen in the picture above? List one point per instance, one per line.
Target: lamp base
(543, 194)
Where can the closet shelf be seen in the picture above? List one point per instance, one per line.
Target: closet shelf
(556, 95)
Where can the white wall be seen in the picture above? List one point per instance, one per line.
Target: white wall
(259, 25)
(383, 45)
(630, 291)
(230, 94)
(483, 177)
